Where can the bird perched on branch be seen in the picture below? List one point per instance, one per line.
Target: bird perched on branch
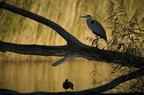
(67, 84)
(95, 27)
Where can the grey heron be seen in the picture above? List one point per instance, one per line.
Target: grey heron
(95, 27)
(67, 84)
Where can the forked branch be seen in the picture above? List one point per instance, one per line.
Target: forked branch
(74, 47)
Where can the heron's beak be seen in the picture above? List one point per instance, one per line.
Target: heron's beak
(82, 16)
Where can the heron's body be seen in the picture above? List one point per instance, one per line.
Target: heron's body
(67, 84)
(95, 27)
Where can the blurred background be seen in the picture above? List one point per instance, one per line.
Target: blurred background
(28, 73)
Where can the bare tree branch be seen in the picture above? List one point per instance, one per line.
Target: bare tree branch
(65, 59)
(118, 81)
(74, 47)
(90, 53)
(34, 49)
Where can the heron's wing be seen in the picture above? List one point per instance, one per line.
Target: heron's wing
(98, 29)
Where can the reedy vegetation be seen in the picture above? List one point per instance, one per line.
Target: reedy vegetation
(127, 36)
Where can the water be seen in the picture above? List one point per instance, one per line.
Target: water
(42, 76)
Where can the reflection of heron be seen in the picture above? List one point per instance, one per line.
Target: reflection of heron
(95, 27)
(67, 84)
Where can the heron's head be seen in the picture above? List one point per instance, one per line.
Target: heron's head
(87, 16)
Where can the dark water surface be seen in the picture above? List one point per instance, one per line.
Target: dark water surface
(39, 76)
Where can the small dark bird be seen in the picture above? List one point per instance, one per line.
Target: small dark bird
(67, 84)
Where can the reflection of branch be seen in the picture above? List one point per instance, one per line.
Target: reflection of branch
(93, 91)
(74, 47)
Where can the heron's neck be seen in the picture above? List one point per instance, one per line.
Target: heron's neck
(89, 20)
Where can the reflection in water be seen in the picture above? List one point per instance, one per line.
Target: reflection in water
(31, 77)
